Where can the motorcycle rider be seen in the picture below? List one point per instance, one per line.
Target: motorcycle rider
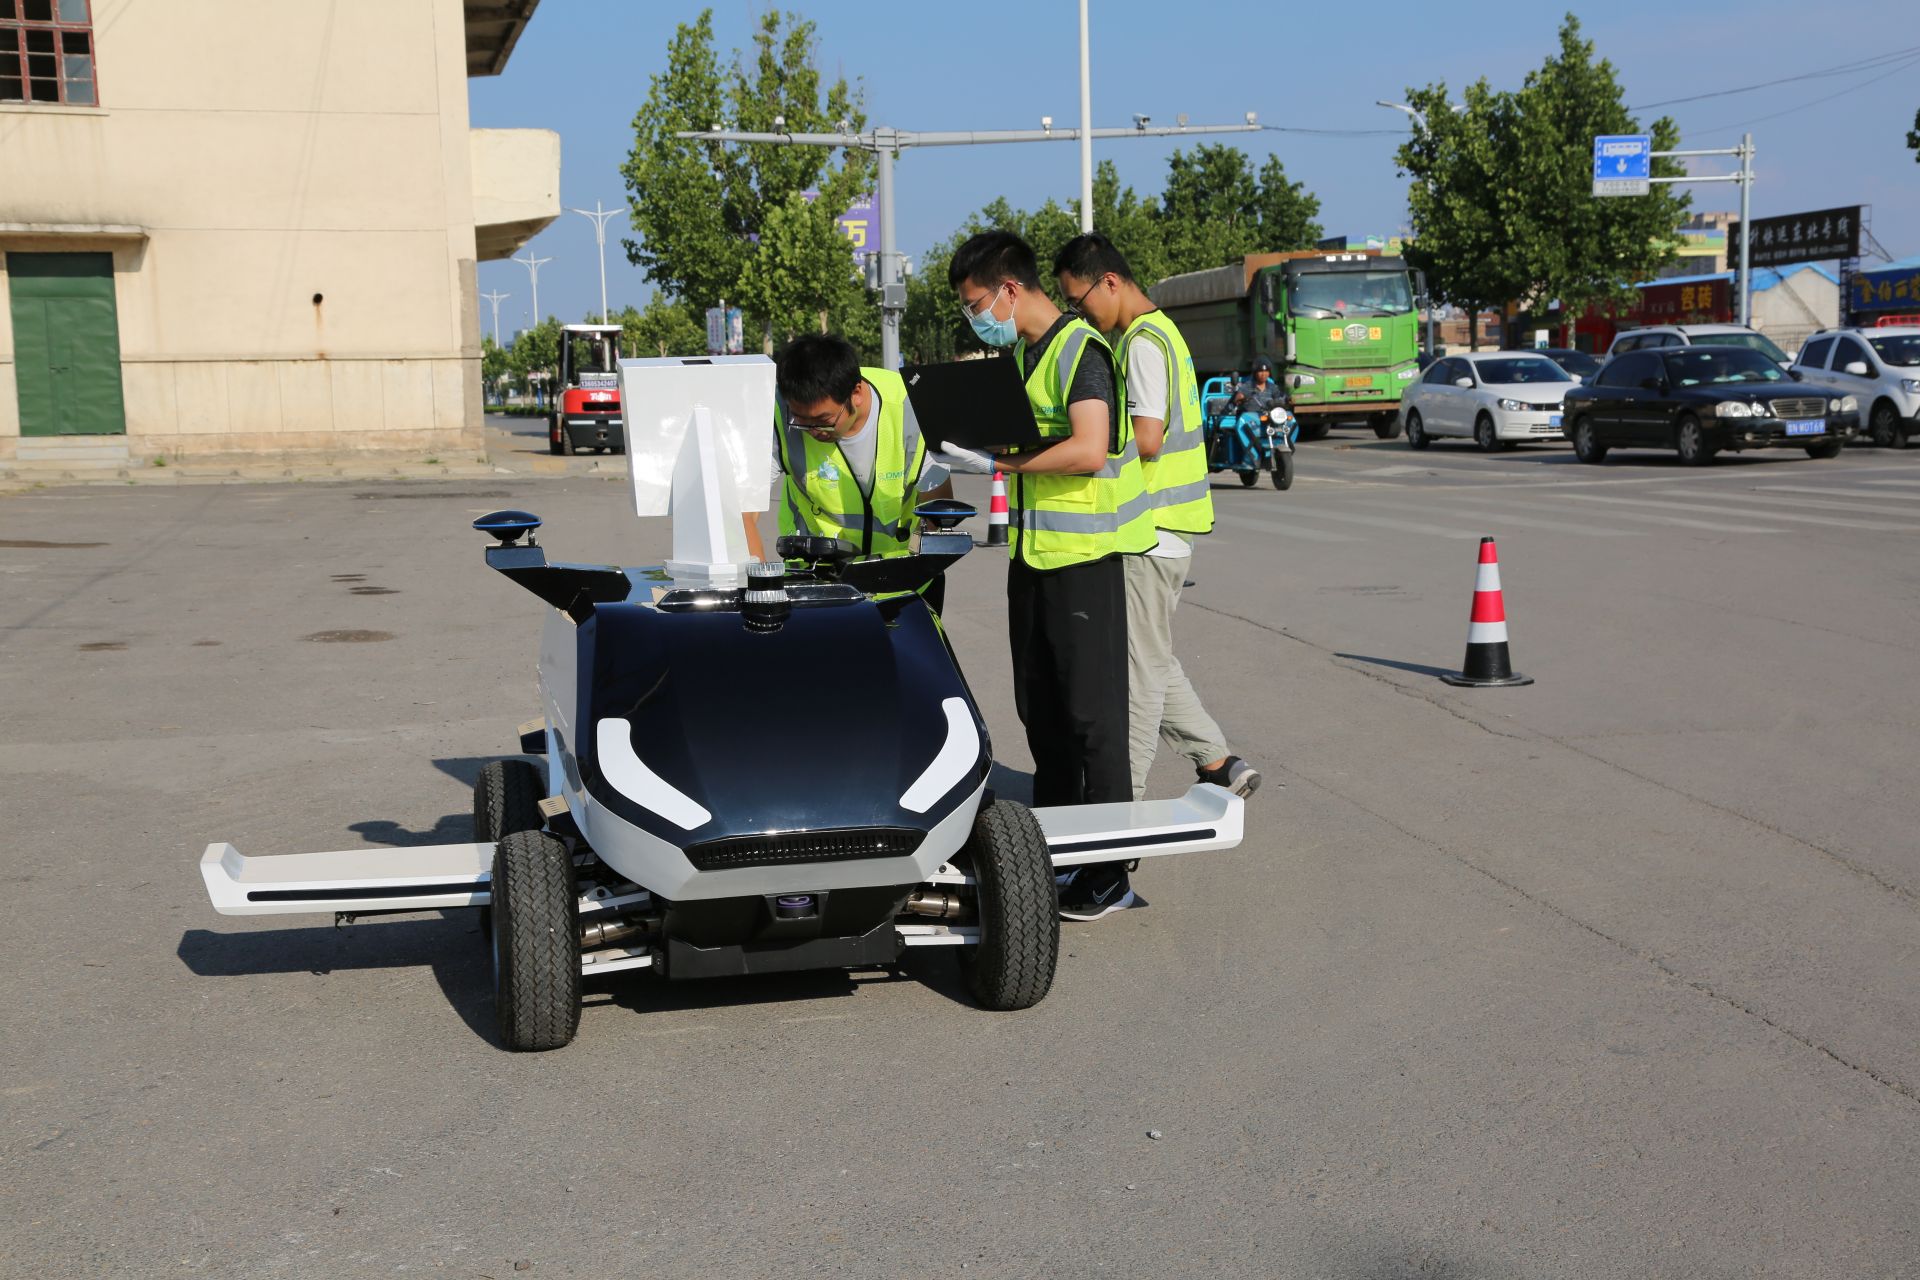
(1259, 394)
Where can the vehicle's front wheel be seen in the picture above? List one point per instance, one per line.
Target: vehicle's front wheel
(1484, 435)
(1585, 446)
(1386, 428)
(1884, 427)
(1690, 442)
(1012, 965)
(1314, 430)
(1830, 449)
(1248, 478)
(1283, 471)
(1417, 437)
(536, 942)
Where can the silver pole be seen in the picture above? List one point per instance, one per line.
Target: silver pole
(533, 265)
(1086, 129)
(890, 306)
(496, 298)
(600, 217)
(1746, 230)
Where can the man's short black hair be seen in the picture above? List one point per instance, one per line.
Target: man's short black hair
(992, 258)
(1091, 256)
(815, 367)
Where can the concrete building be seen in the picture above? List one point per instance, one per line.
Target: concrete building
(247, 227)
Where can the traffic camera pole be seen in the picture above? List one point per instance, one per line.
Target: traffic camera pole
(1745, 178)
(886, 144)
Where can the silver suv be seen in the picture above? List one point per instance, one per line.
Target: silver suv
(1689, 335)
(1881, 367)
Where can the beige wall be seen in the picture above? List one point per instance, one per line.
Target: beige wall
(1795, 308)
(272, 152)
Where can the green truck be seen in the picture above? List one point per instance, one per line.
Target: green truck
(1342, 330)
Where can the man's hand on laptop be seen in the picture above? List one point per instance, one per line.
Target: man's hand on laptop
(960, 458)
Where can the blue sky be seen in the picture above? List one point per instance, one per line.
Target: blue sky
(583, 67)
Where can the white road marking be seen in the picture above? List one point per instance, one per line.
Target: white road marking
(1493, 515)
(1291, 530)
(1680, 521)
(1915, 483)
(1879, 526)
(1814, 504)
(1383, 522)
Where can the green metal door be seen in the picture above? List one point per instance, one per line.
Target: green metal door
(66, 344)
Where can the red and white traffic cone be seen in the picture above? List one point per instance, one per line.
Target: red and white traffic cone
(1487, 664)
(997, 512)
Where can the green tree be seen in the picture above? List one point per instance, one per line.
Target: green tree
(494, 365)
(1288, 214)
(665, 328)
(1913, 137)
(1210, 211)
(802, 274)
(706, 211)
(1456, 159)
(536, 351)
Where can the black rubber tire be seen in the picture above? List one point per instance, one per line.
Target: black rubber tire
(553, 446)
(1387, 430)
(566, 441)
(1012, 965)
(1484, 434)
(1417, 437)
(1884, 427)
(1831, 449)
(1283, 471)
(536, 944)
(506, 798)
(1698, 454)
(1314, 430)
(1248, 478)
(1585, 447)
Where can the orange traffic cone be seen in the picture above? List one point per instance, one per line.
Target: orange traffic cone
(1487, 664)
(997, 512)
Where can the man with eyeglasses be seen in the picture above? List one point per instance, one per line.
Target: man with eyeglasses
(849, 449)
(1163, 400)
(1077, 505)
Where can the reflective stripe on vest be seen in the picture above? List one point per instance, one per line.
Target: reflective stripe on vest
(1061, 520)
(1176, 479)
(821, 495)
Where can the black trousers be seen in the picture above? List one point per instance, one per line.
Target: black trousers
(1068, 632)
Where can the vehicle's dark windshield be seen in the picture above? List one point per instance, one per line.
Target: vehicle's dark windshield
(1518, 369)
(1577, 362)
(592, 353)
(1751, 341)
(1712, 366)
(1350, 293)
(1899, 349)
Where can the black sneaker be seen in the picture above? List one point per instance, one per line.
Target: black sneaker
(1236, 775)
(1092, 892)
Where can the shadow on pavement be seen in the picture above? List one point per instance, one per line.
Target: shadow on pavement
(1417, 668)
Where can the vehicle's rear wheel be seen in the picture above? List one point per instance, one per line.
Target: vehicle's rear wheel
(1690, 442)
(536, 942)
(1247, 478)
(1884, 427)
(506, 799)
(1386, 427)
(1314, 430)
(566, 440)
(1585, 446)
(1484, 435)
(1830, 449)
(1283, 471)
(1417, 437)
(1012, 965)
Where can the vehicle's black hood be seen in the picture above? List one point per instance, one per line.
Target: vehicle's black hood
(824, 723)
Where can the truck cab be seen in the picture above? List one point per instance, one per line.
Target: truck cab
(586, 403)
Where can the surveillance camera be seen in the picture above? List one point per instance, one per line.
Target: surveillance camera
(1046, 122)
(1140, 121)
(1253, 117)
(846, 125)
(1181, 119)
(779, 122)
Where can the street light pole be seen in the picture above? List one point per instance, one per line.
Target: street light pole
(533, 265)
(1086, 126)
(886, 145)
(496, 299)
(1420, 119)
(600, 217)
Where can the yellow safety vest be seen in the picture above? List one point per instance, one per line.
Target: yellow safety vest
(1177, 486)
(823, 496)
(1061, 520)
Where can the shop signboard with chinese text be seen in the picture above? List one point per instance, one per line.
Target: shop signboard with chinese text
(1800, 237)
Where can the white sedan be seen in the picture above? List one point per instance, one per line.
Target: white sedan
(1495, 398)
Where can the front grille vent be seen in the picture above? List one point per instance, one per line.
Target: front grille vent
(1807, 407)
(780, 849)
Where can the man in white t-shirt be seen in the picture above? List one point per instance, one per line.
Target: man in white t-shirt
(1163, 400)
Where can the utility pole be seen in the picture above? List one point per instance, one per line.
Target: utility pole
(496, 298)
(1744, 176)
(533, 265)
(886, 145)
(1419, 117)
(600, 217)
(1086, 125)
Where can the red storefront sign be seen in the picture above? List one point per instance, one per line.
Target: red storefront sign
(1708, 302)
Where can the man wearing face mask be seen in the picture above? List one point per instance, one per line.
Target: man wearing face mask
(1163, 401)
(850, 451)
(1077, 504)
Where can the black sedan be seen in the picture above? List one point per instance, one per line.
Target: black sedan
(1701, 400)
(1578, 363)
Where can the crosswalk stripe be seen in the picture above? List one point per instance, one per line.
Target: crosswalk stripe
(1789, 517)
(1814, 504)
(1682, 522)
(1291, 530)
(1493, 516)
(1398, 526)
(1914, 483)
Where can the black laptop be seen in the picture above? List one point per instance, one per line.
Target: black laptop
(979, 404)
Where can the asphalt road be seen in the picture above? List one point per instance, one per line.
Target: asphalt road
(1609, 976)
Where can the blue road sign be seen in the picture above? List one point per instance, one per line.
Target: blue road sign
(1623, 157)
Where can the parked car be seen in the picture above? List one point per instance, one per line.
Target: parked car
(1878, 367)
(1496, 398)
(1700, 400)
(1578, 363)
(1696, 335)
